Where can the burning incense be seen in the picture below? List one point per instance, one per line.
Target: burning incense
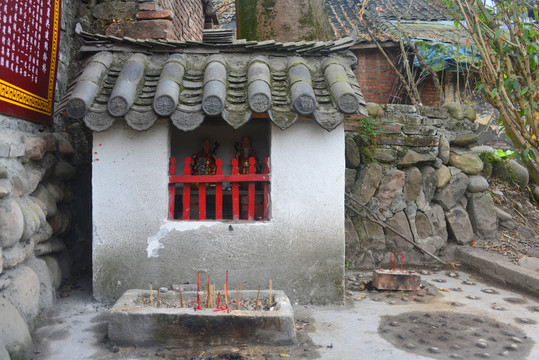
(198, 288)
(209, 286)
(180, 291)
(151, 295)
(158, 297)
(238, 291)
(402, 260)
(270, 291)
(218, 299)
(257, 296)
(226, 290)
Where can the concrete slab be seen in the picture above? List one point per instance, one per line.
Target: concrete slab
(499, 268)
(353, 331)
(78, 324)
(133, 323)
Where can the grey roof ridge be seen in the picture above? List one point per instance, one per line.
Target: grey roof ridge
(98, 42)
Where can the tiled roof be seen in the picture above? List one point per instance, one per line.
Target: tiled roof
(143, 80)
(380, 15)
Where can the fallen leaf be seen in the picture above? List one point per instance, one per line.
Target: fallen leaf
(284, 355)
(442, 289)
(453, 264)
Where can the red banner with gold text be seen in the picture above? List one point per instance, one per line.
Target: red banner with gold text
(29, 40)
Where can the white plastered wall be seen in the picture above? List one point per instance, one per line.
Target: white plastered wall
(301, 248)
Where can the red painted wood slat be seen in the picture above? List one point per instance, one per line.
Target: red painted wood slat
(187, 190)
(251, 191)
(235, 192)
(171, 188)
(193, 179)
(219, 191)
(266, 190)
(202, 201)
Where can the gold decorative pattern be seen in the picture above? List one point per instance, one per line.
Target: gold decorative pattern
(20, 97)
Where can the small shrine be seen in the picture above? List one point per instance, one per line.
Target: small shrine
(213, 157)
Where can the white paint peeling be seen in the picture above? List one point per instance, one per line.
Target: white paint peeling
(154, 243)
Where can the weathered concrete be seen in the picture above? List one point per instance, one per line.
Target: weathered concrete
(187, 327)
(499, 268)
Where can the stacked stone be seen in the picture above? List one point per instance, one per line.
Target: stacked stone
(34, 214)
(424, 182)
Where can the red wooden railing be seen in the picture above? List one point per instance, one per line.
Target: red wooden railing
(235, 178)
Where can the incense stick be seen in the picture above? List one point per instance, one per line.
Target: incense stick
(238, 291)
(226, 290)
(151, 295)
(158, 297)
(180, 291)
(257, 295)
(208, 299)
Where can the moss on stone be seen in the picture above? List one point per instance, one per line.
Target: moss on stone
(246, 18)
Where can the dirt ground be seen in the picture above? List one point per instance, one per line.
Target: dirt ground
(517, 237)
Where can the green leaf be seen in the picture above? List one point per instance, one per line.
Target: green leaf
(498, 33)
(494, 92)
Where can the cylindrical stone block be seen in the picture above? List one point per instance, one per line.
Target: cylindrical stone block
(87, 85)
(168, 87)
(303, 98)
(213, 100)
(125, 90)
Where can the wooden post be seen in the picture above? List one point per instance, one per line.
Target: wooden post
(235, 192)
(202, 201)
(186, 190)
(251, 191)
(171, 188)
(266, 190)
(219, 191)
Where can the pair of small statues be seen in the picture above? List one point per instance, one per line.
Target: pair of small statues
(203, 162)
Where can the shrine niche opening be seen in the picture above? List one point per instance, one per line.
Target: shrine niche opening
(219, 173)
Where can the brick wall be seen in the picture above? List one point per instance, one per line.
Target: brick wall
(376, 78)
(188, 21)
(374, 75)
(161, 19)
(429, 93)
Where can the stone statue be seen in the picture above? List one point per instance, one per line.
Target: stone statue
(203, 162)
(243, 153)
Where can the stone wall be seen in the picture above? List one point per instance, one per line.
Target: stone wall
(423, 180)
(34, 216)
